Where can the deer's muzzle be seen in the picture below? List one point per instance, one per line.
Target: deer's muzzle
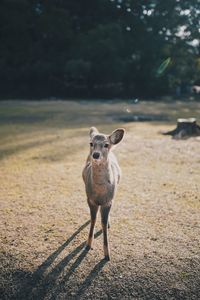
(96, 155)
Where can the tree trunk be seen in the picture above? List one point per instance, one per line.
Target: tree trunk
(185, 129)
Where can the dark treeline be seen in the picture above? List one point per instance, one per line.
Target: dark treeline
(98, 48)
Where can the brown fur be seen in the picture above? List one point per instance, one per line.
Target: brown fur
(101, 176)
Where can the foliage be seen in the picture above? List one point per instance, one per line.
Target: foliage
(99, 48)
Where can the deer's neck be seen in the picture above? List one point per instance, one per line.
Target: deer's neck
(102, 173)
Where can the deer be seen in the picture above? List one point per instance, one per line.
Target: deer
(101, 175)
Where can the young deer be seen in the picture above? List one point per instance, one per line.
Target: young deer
(101, 175)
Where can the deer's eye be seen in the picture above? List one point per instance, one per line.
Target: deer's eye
(91, 144)
(106, 145)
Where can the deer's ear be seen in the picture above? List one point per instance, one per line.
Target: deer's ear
(93, 131)
(116, 136)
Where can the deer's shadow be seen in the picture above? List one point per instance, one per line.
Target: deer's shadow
(43, 282)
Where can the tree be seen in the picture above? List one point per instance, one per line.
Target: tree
(98, 47)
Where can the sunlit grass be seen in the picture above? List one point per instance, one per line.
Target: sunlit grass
(43, 199)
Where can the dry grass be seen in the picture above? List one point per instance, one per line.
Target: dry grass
(155, 220)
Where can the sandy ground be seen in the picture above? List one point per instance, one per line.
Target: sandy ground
(155, 219)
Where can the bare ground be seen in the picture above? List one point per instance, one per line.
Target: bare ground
(155, 219)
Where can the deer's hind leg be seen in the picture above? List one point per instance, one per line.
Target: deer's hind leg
(104, 221)
(109, 222)
(93, 215)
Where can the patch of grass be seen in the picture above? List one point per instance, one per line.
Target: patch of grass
(184, 275)
(44, 219)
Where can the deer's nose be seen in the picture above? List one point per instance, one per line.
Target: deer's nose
(96, 155)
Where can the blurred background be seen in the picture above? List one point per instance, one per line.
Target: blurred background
(99, 48)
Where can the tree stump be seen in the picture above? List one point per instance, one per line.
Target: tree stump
(185, 129)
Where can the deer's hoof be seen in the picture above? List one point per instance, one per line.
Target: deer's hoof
(88, 248)
(107, 257)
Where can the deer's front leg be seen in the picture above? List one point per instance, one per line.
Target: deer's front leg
(93, 214)
(104, 221)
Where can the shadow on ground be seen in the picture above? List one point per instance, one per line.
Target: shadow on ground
(64, 279)
(40, 284)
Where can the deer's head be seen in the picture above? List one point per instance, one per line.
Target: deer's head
(101, 144)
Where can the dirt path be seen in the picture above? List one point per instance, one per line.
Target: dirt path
(155, 220)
